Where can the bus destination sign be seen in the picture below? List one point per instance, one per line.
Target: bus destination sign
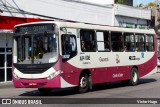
(34, 28)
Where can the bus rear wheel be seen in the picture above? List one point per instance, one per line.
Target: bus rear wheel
(83, 83)
(45, 91)
(134, 77)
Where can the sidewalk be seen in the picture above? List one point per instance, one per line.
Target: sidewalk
(6, 85)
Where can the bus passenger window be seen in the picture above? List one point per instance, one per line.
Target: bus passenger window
(84, 46)
(103, 42)
(149, 43)
(117, 41)
(140, 42)
(129, 42)
(88, 43)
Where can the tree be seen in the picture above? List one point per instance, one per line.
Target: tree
(151, 4)
(140, 5)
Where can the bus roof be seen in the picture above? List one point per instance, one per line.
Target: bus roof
(93, 26)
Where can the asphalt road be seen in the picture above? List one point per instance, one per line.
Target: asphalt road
(149, 87)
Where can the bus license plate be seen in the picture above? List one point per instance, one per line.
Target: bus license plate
(32, 84)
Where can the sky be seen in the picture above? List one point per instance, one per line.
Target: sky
(145, 2)
(135, 2)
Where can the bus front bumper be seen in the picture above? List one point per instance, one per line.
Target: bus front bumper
(37, 83)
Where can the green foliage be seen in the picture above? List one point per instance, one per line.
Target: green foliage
(140, 5)
(151, 4)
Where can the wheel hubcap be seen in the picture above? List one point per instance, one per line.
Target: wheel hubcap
(83, 82)
(134, 77)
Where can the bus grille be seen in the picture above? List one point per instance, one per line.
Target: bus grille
(33, 69)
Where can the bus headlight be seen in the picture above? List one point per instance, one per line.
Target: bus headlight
(16, 76)
(54, 75)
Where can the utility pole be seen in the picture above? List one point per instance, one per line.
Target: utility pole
(156, 12)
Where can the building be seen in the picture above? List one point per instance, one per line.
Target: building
(14, 12)
(124, 2)
(127, 16)
(6, 31)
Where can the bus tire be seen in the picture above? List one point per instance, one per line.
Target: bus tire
(134, 77)
(83, 83)
(45, 91)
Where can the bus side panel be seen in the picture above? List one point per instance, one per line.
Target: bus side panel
(107, 74)
(70, 73)
(99, 75)
(149, 66)
(123, 73)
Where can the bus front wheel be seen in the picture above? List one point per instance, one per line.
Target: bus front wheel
(45, 91)
(83, 84)
(134, 77)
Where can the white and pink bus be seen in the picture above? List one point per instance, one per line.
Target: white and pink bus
(49, 55)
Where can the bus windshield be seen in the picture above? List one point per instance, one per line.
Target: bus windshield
(36, 48)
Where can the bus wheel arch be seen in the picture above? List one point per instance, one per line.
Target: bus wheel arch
(85, 81)
(134, 76)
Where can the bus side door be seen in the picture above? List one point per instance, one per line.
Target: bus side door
(69, 51)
